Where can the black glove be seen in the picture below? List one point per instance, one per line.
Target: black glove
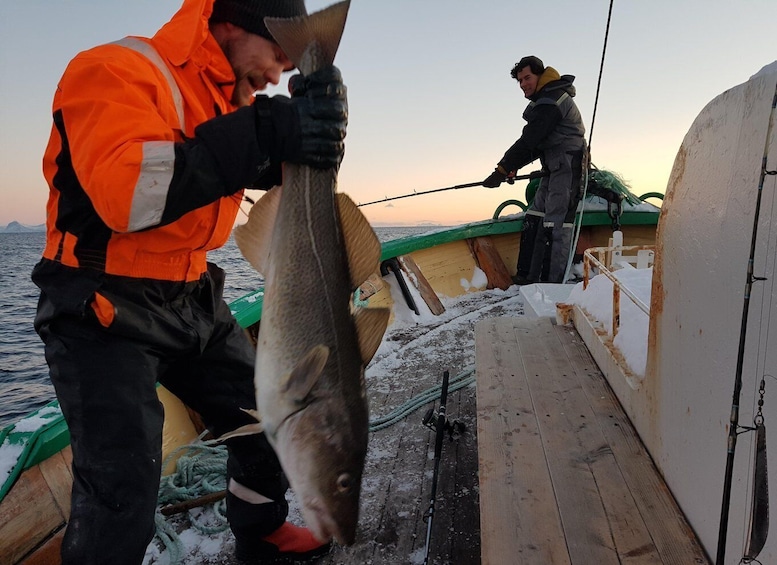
(494, 179)
(309, 127)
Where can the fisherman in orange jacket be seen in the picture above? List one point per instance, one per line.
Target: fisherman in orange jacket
(152, 144)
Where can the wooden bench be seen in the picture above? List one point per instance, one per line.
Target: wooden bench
(564, 478)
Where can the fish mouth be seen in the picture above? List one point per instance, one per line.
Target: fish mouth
(323, 526)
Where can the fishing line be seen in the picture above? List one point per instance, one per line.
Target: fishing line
(763, 335)
(766, 306)
(761, 354)
(601, 72)
(587, 161)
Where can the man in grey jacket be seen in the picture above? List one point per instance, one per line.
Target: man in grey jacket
(554, 134)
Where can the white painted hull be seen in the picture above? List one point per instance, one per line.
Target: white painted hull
(682, 407)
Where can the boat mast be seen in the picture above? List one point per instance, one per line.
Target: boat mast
(734, 425)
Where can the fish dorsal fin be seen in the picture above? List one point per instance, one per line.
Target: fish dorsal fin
(300, 381)
(361, 243)
(255, 236)
(311, 41)
(370, 326)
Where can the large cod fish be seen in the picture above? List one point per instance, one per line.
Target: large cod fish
(314, 247)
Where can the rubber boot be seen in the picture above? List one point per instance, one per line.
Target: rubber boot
(562, 241)
(255, 545)
(531, 224)
(538, 258)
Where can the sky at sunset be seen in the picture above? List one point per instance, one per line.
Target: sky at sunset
(431, 100)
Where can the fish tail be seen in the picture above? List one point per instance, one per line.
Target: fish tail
(311, 41)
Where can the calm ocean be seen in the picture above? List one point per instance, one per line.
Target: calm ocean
(24, 381)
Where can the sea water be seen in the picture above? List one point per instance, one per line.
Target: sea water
(24, 380)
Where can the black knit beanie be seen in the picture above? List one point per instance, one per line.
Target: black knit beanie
(250, 14)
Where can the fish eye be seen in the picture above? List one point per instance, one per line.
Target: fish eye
(344, 483)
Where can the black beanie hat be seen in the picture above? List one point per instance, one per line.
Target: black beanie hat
(250, 14)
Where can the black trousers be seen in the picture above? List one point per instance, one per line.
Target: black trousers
(179, 334)
(555, 204)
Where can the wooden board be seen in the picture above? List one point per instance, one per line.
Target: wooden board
(59, 477)
(456, 531)
(417, 279)
(507, 246)
(674, 539)
(446, 266)
(563, 475)
(29, 514)
(448, 269)
(490, 262)
(49, 552)
(516, 524)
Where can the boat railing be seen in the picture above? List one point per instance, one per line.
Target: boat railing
(616, 256)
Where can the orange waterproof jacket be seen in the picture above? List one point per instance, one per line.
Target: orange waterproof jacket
(134, 190)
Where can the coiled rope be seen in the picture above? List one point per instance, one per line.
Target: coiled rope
(201, 469)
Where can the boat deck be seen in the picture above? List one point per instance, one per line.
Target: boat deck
(549, 470)
(564, 478)
(396, 489)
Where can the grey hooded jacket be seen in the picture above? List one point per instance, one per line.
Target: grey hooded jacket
(552, 121)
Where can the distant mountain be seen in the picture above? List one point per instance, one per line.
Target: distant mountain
(16, 227)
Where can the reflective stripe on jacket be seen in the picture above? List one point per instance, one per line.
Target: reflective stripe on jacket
(111, 157)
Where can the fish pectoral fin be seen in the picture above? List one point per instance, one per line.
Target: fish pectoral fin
(361, 244)
(255, 236)
(370, 324)
(247, 430)
(299, 382)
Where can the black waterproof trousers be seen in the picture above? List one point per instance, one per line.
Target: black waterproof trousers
(179, 334)
(555, 202)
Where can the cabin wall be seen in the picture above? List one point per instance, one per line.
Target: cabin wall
(683, 407)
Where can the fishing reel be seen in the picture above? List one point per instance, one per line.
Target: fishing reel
(454, 428)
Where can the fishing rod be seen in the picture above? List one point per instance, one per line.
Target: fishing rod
(441, 424)
(733, 429)
(509, 180)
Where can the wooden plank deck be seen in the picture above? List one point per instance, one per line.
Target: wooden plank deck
(564, 477)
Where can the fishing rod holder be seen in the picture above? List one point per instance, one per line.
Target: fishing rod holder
(454, 428)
